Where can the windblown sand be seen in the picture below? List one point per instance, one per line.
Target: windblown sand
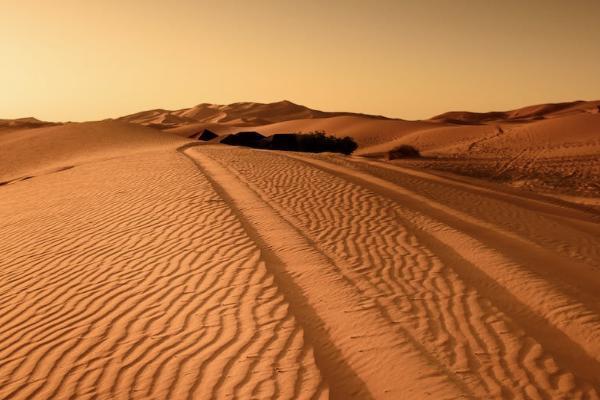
(137, 264)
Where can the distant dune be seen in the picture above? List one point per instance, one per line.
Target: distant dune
(529, 113)
(23, 123)
(548, 147)
(552, 148)
(452, 133)
(235, 115)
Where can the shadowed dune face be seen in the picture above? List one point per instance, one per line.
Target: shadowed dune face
(207, 135)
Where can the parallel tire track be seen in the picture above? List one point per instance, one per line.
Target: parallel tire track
(463, 301)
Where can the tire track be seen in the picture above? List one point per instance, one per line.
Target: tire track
(143, 285)
(352, 341)
(416, 272)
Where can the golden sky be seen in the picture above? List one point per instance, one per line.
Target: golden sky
(93, 59)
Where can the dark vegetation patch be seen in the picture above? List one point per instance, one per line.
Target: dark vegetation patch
(248, 139)
(404, 151)
(207, 135)
(313, 142)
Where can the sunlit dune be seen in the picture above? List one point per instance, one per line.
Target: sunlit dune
(300, 200)
(236, 114)
(141, 263)
(30, 152)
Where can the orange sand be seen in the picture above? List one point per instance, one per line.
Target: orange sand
(141, 264)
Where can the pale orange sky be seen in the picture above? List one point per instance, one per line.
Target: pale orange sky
(83, 60)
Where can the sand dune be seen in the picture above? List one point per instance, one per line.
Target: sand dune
(236, 114)
(31, 152)
(535, 112)
(450, 132)
(137, 263)
(129, 277)
(468, 289)
(7, 125)
(171, 270)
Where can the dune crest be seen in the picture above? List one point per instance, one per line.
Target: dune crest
(236, 114)
(23, 123)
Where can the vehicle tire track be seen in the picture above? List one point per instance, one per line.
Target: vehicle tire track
(343, 329)
(144, 285)
(427, 284)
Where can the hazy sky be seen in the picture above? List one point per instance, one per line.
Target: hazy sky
(92, 59)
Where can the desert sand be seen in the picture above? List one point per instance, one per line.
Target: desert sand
(140, 263)
(548, 148)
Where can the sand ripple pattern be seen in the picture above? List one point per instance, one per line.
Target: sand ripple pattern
(130, 278)
(482, 333)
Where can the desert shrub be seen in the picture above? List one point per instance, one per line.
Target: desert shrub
(312, 142)
(283, 141)
(347, 145)
(207, 135)
(404, 151)
(318, 142)
(248, 139)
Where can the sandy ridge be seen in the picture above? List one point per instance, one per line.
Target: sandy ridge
(158, 294)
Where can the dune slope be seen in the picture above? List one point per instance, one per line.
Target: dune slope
(129, 277)
(551, 148)
(31, 152)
